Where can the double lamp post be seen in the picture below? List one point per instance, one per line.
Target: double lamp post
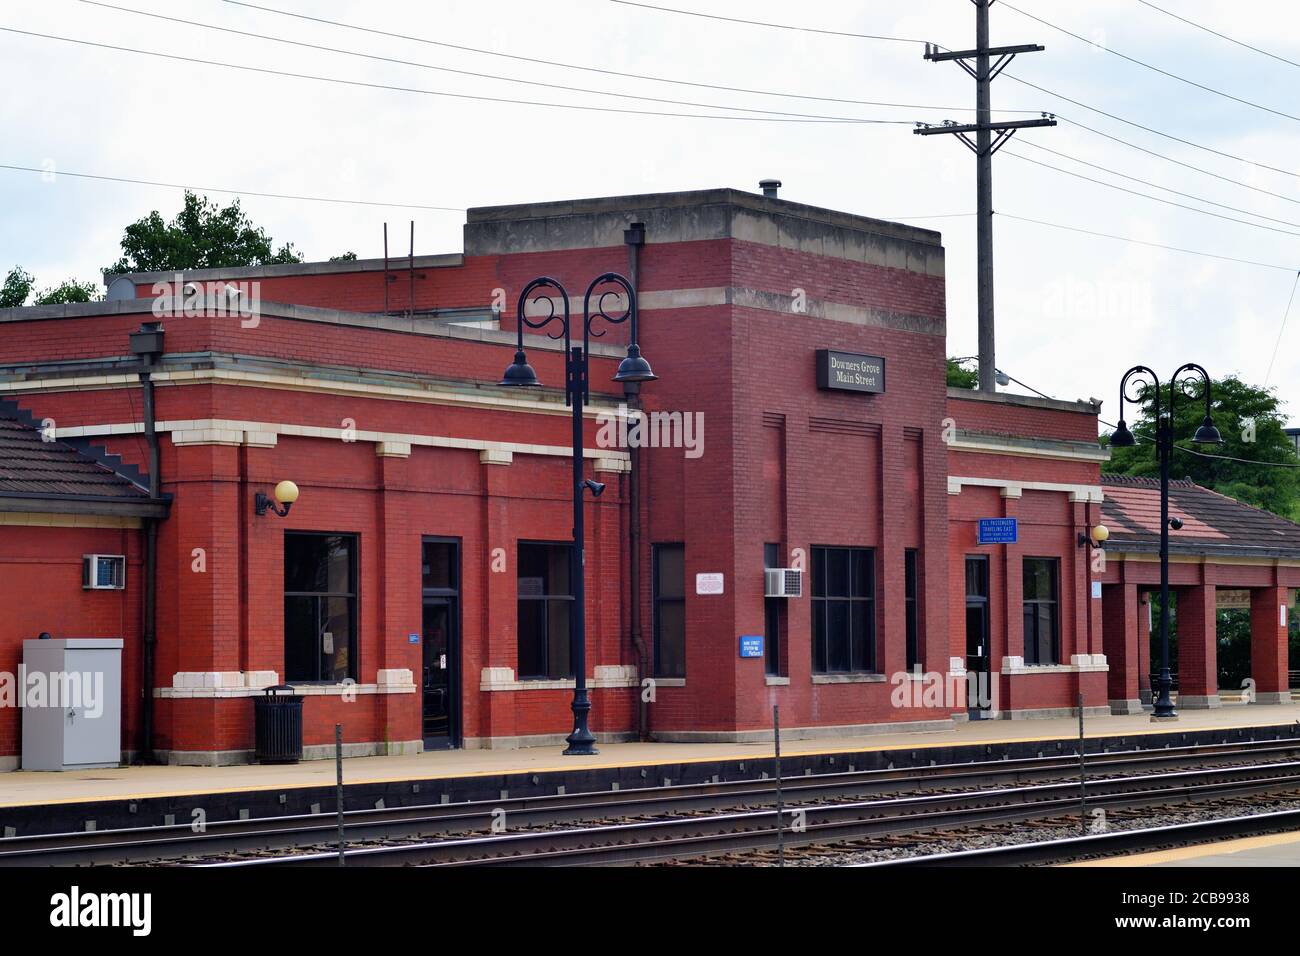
(1206, 434)
(577, 392)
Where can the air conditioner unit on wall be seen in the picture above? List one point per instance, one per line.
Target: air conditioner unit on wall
(783, 582)
(103, 572)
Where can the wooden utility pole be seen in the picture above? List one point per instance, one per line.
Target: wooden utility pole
(984, 146)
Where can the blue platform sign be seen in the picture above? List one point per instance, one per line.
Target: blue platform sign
(751, 645)
(997, 531)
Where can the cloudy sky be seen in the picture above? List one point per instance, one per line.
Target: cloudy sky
(1073, 310)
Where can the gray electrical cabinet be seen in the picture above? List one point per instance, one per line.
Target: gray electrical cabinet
(72, 703)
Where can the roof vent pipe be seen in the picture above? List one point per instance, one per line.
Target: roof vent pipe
(769, 187)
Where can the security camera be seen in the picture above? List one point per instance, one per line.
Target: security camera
(1176, 523)
(597, 488)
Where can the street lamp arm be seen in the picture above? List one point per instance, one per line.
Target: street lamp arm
(1175, 385)
(1124, 395)
(544, 282)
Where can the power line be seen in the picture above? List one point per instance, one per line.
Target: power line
(1153, 68)
(763, 23)
(1285, 315)
(1134, 192)
(598, 70)
(1222, 36)
(1144, 182)
(1143, 242)
(447, 69)
(1148, 129)
(233, 192)
(1176, 162)
(460, 96)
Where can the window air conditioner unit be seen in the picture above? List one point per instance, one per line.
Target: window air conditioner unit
(103, 572)
(783, 583)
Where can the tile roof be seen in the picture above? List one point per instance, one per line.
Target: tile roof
(1212, 523)
(32, 467)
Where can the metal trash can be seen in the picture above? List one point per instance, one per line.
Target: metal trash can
(277, 723)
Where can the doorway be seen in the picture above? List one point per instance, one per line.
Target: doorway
(979, 697)
(440, 643)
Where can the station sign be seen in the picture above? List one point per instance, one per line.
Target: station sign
(850, 372)
(998, 531)
(751, 645)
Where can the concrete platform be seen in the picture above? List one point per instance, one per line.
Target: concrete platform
(26, 788)
(1275, 849)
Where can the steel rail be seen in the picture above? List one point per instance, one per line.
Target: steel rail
(681, 837)
(140, 844)
(1112, 843)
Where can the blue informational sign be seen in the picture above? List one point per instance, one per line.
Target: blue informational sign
(751, 645)
(413, 638)
(997, 531)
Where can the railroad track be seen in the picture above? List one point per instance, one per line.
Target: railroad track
(1110, 844)
(670, 815)
(675, 838)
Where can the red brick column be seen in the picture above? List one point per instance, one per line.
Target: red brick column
(1144, 646)
(1120, 633)
(1198, 683)
(1268, 645)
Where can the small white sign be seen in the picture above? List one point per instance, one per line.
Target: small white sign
(1281, 615)
(1096, 589)
(708, 583)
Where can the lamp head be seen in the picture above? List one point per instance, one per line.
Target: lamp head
(1122, 437)
(520, 374)
(286, 492)
(634, 368)
(1100, 534)
(1207, 434)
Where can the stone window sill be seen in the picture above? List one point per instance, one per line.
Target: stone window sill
(848, 678)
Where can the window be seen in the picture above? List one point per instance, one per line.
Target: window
(909, 610)
(320, 607)
(772, 613)
(1041, 632)
(545, 603)
(670, 610)
(843, 609)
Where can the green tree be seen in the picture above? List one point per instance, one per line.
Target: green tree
(346, 257)
(17, 287)
(70, 290)
(959, 376)
(202, 236)
(1250, 421)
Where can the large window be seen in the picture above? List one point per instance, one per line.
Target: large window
(773, 612)
(545, 603)
(670, 610)
(1042, 644)
(844, 610)
(320, 607)
(909, 610)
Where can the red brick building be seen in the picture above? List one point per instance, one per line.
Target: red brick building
(416, 590)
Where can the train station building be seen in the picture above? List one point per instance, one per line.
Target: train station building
(797, 512)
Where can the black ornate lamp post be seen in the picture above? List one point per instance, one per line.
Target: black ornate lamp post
(577, 393)
(1123, 438)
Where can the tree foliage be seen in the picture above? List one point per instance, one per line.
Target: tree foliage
(203, 235)
(17, 287)
(1250, 421)
(70, 290)
(959, 376)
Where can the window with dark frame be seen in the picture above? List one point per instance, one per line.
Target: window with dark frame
(320, 607)
(909, 610)
(773, 609)
(1042, 627)
(545, 603)
(670, 610)
(843, 610)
